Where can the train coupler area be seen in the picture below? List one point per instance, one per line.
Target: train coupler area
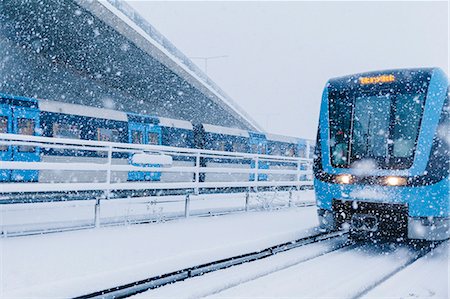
(371, 219)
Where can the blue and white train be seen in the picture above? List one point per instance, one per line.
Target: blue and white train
(382, 154)
(27, 116)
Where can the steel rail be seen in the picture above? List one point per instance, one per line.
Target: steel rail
(424, 250)
(183, 274)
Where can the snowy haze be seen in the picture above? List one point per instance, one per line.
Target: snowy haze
(280, 54)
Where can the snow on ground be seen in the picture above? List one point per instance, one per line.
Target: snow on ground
(340, 274)
(31, 217)
(317, 271)
(215, 282)
(74, 263)
(426, 278)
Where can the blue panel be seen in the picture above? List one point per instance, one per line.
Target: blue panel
(258, 145)
(25, 122)
(423, 201)
(138, 133)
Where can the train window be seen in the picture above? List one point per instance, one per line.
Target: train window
(302, 151)
(239, 147)
(254, 148)
(275, 150)
(220, 145)
(290, 151)
(259, 148)
(3, 129)
(111, 135)
(407, 120)
(25, 126)
(263, 149)
(137, 137)
(153, 138)
(311, 151)
(71, 131)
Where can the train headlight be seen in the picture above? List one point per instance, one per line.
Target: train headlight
(395, 181)
(344, 179)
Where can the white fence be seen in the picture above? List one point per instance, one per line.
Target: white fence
(108, 165)
(106, 171)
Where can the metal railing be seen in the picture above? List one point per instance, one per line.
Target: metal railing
(196, 169)
(110, 148)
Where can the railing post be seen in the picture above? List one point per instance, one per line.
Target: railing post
(256, 173)
(290, 197)
(247, 199)
(108, 172)
(299, 166)
(309, 169)
(97, 213)
(197, 173)
(187, 204)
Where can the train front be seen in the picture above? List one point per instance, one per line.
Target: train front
(382, 154)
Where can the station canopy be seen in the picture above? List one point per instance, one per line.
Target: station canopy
(103, 54)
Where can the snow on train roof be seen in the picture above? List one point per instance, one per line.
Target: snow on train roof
(224, 130)
(175, 123)
(94, 112)
(281, 138)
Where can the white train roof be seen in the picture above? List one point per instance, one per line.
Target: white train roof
(224, 130)
(94, 112)
(175, 123)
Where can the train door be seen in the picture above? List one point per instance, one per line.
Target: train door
(25, 122)
(5, 150)
(258, 145)
(142, 133)
(154, 136)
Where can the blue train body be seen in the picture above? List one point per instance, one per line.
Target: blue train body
(20, 115)
(382, 154)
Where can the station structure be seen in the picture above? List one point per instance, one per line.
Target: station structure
(104, 54)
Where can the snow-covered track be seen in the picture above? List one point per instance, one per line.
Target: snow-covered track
(349, 271)
(180, 275)
(424, 250)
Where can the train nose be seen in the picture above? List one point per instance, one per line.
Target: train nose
(363, 222)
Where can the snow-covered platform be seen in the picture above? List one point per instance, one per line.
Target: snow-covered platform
(74, 263)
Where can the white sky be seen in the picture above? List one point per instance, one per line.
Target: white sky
(280, 54)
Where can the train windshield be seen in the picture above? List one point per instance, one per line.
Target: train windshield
(381, 128)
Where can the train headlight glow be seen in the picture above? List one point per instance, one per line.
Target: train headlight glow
(344, 179)
(395, 181)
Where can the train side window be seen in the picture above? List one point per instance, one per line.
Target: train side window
(239, 147)
(137, 137)
(153, 138)
(221, 145)
(3, 129)
(275, 150)
(290, 151)
(61, 130)
(25, 126)
(302, 151)
(111, 135)
(263, 149)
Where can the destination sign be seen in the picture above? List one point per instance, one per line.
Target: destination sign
(377, 79)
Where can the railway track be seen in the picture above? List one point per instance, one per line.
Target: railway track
(199, 270)
(422, 251)
(338, 273)
(332, 254)
(349, 271)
